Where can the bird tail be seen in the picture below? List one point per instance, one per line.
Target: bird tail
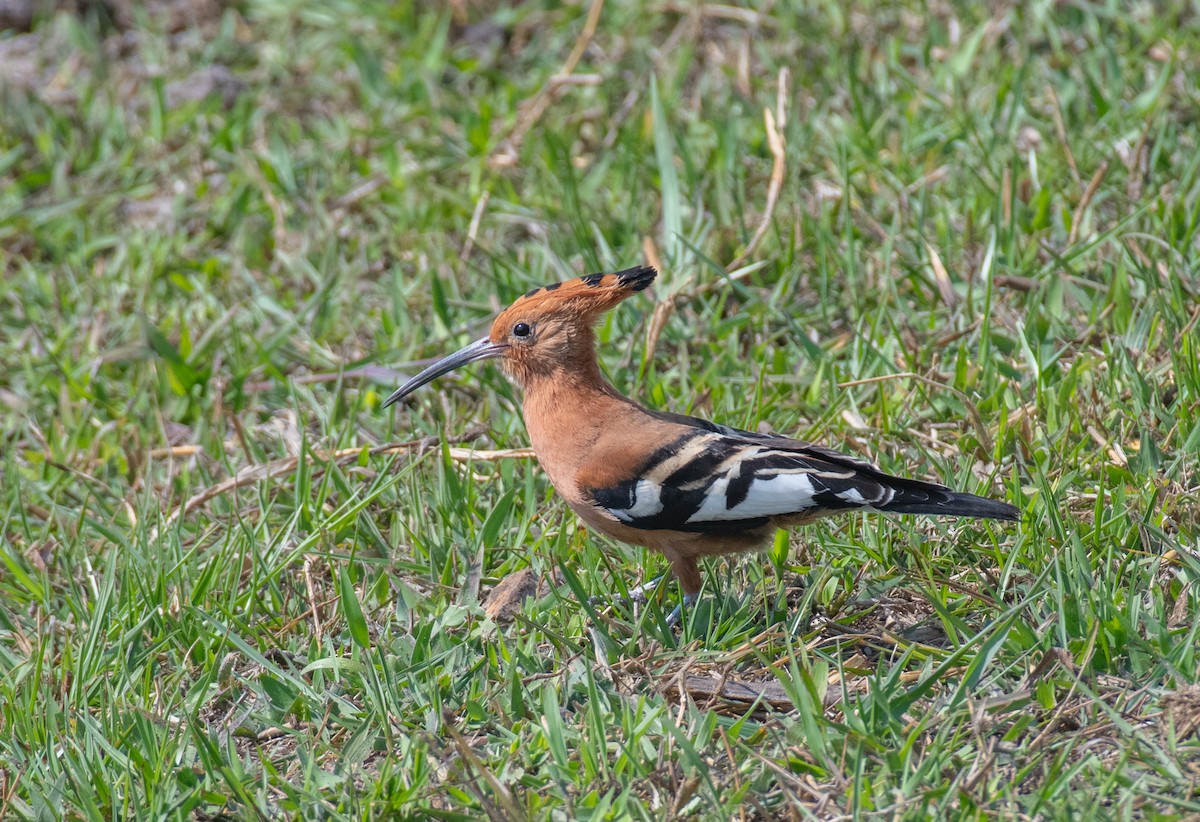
(915, 497)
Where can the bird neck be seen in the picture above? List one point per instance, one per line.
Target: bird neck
(569, 387)
(568, 408)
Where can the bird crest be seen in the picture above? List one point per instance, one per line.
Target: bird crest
(585, 296)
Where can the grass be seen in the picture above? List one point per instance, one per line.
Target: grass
(982, 268)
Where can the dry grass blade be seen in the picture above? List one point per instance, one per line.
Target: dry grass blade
(662, 309)
(1088, 193)
(1191, 323)
(175, 452)
(360, 191)
(310, 589)
(1060, 128)
(473, 229)
(778, 171)
(945, 287)
(658, 321)
(719, 12)
(477, 455)
(366, 372)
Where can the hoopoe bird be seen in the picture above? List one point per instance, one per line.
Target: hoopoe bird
(680, 485)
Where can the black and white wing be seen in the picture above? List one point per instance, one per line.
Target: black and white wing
(727, 481)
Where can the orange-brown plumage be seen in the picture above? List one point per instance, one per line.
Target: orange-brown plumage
(679, 485)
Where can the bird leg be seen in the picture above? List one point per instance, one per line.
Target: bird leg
(687, 571)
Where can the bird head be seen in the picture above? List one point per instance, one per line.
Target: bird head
(547, 329)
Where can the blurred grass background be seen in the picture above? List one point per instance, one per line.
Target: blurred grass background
(959, 239)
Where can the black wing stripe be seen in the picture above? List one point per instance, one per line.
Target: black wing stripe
(738, 488)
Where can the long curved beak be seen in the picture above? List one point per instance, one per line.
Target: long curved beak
(483, 349)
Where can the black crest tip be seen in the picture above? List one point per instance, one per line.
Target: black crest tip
(638, 278)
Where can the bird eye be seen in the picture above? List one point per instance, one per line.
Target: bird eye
(521, 330)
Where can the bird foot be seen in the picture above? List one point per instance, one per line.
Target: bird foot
(637, 596)
(675, 616)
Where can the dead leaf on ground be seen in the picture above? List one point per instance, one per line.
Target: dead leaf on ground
(508, 596)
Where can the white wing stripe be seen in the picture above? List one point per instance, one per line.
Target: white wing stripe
(767, 497)
(853, 496)
(647, 502)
